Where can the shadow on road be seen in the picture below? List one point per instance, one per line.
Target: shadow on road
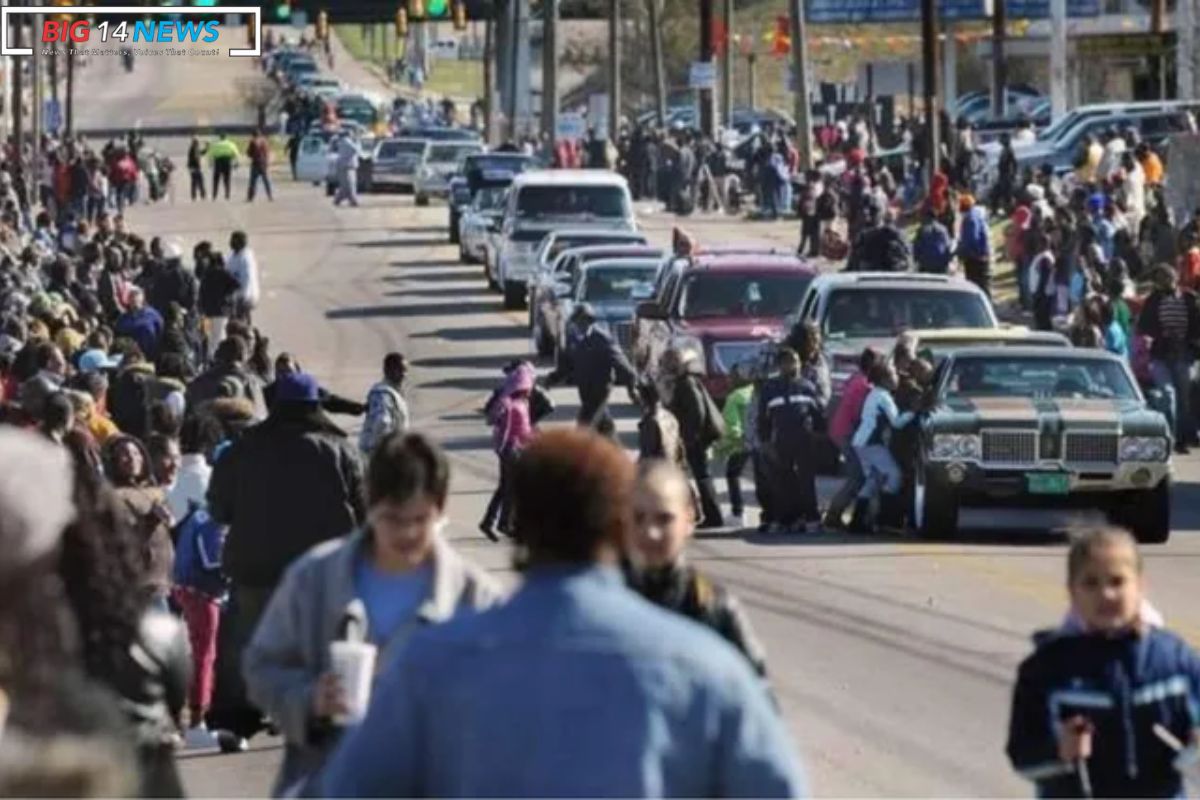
(1185, 507)
(416, 310)
(445, 292)
(442, 276)
(444, 266)
(488, 333)
(482, 384)
(379, 243)
(495, 362)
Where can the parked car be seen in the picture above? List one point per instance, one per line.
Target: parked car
(559, 241)
(1051, 427)
(856, 310)
(545, 290)
(441, 161)
(721, 308)
(608, 285)
(312, 158)
(542, 201)
(480, 222)
(396, 163)
(439, 134)
(489, 170)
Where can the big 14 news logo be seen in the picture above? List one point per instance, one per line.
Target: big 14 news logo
(144, 31)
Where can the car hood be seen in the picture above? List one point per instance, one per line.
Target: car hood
(970, 414)
(614, 312)
(739, 328)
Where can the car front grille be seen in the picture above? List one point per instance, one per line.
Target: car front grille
(1010, 447)
(1091, 448)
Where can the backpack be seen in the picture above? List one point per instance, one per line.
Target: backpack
(932, 249)
(189, 570)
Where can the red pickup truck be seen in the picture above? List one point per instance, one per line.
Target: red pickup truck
(720, 306)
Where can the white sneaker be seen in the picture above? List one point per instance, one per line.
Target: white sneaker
(737, 521)
(200, 738)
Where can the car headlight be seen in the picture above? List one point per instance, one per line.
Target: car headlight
(956, 447)
(1144, 448)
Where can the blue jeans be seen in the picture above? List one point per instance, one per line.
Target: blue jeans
(880, 470)
(1174, 378)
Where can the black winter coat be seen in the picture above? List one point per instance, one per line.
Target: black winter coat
(880, 249)
(597, 360)
(287, 484)
(217, 288)
(173, 284)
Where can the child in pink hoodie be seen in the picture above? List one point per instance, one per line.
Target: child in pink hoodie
(512, 431)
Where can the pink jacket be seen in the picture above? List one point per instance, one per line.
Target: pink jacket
(512, 425)
(845, 419)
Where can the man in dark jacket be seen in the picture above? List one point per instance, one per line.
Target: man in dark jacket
(597, 363)
(227, 377)
(141, 323)
(289, 483)
(173, 283)
(788, 412)
(700, 426)
(880, 247)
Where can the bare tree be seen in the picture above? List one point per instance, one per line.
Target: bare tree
(257, 93)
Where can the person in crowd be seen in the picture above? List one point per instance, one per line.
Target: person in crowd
(735, 446)
(1064, 734)
(259, 153)
(1171, 318)
(512, 430)
(286, 364)
(217, 295)
(788, 411)
(224, 155)
(387, 408)
(195, 167)
(227, 377)
(141, 323)
(485, 673)
(658, 429)
(597, 363)
(173, 283)
(1043, 267)
(975, 244)
(285, 485)
(932, 245)
(347, 153)
(663, 523)
(130, 644)
(879, 247)
(243, 266)
(64, 732)
(396, 572)
(700, 424)
(142, 508)
(880, 416)
(842, 427)
(199, 436)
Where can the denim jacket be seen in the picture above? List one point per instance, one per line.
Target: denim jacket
(575, 688)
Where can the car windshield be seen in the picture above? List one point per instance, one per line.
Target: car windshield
(603, 284)
(742, 294)
(1071, 378)
(393, 149)
(498, 163)
(880, 313)
(564, 243)
(450, 153)
(490, 199)
(585, 201)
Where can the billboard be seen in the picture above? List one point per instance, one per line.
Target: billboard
(856, 11)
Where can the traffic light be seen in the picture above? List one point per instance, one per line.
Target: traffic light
(401, 22)
(781, 41)
(437, 8)
(283, 10)
(322, 24)
(460, 15)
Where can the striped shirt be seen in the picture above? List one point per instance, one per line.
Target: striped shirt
(1173, 318)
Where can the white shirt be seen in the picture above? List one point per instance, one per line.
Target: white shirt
(1024, 136)
(244, 267)
(190, 487)
(879, 401)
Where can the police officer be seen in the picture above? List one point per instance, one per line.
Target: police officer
(788, 413)
(598, 363)
(664, 520)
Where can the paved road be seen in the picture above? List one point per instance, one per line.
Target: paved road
(892, 658)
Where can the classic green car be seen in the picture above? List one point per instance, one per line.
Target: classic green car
(1042, 426)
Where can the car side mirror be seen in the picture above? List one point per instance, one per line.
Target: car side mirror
(650, 310)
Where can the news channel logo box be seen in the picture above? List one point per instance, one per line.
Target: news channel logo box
(105, 27)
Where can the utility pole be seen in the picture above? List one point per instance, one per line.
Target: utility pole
(1185, 50)
(1058, 58)
(999, 62)
(800, 71)
(614, 69)
(522, 105)
(752, 78)
(489, 78)
(708, 125)
(727, 66)
(550, 69)
(929, 70)
(660, 78)
(36, 115)
(70, 115)
(1158, 24)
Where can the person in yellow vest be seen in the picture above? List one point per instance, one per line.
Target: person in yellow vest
(225, 156)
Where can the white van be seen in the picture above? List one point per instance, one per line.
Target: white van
(543, 201)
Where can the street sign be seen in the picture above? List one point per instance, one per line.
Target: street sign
(1125, 45)
(571, 126)
(843, 12)
(702, 75)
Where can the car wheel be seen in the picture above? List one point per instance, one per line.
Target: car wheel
(934, 509)
(514, 295)
(453, 231)
(543, 344)
(421, 200)
(491, 281)
(1149, 514)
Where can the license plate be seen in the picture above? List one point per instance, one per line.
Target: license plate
(1048, 483)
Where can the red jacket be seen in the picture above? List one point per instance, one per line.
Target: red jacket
(849, 411)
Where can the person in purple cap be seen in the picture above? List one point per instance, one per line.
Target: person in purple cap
(289, 483)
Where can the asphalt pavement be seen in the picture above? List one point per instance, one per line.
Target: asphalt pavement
(892, 659)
